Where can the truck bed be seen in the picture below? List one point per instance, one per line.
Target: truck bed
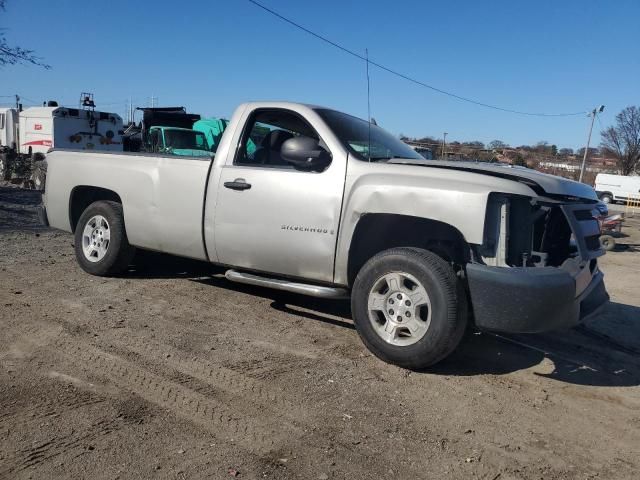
(162, 196)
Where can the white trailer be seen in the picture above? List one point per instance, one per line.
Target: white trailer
(37, 129)
(42, 128)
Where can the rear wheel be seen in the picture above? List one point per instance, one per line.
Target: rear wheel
(101, 243)
(409, 307)
(606, 198)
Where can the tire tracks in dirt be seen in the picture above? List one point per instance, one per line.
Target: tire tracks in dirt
(177, 394)
(252, 385)
(258, 434)
(172, 396)
(69, 444)
(49, 407)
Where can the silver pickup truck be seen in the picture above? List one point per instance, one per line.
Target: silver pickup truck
(314, 201)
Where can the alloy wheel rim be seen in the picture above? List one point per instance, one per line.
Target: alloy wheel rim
(399, 309)
(96, 238)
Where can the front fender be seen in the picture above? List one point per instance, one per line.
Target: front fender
(456, 198)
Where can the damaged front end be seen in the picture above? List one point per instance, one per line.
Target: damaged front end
(537, 268)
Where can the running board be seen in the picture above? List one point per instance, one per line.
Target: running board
(286, 285)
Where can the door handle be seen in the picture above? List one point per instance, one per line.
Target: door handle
(238, 184)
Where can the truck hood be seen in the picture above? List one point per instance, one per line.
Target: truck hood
(539, 182)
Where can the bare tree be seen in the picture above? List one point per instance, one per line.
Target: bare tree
(623, 140)
(565, 152)
(14, 55)
(497, 144)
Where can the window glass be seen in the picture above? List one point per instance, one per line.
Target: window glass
(264, 135)
(366, 141)
(1, 120)
(154, 139)
(180, 139)
(201, 143)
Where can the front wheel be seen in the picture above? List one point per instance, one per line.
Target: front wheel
(101, 243)
(409, 307)
(608, 242)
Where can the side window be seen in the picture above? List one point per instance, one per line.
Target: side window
(201, 143)
(154, 140)
(1, 120)
(264, 134)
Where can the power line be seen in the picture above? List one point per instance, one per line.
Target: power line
(402, 75)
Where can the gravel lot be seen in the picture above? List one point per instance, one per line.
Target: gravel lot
(173, 372)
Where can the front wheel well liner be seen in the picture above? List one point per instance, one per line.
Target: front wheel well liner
(376, 232)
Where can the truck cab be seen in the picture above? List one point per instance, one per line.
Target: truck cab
(178, 141)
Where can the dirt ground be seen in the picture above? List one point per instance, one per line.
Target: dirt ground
(173, 372)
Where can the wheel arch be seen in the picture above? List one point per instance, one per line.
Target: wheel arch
(84, 195)
(605, 192)
(376, 232)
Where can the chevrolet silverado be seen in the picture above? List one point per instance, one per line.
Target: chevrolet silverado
(333, 206)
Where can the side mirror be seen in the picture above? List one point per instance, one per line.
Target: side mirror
(305, 153)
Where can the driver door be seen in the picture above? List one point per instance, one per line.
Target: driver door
(271, 217)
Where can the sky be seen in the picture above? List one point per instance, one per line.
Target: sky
(544, 56)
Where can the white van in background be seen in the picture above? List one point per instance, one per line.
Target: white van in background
(613, 188)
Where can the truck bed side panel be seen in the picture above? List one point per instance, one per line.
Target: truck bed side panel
(162, 197)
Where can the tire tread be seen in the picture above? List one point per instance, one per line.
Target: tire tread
(113, 263)
(453, 293)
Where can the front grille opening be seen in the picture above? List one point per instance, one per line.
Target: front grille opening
(583, 214)
(552, 236)
(593, 242)
(538, 233)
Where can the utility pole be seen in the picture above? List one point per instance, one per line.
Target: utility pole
(444, 146)
(593, 114)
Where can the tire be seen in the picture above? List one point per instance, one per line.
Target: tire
(423, 332)
(4, 167)
(608, 242)
(107, 241)
(606, 198)
(39, 175)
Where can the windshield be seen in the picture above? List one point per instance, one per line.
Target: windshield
(354, 134)
(185, 139)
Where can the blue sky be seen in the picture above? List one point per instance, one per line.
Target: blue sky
(549, 56)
